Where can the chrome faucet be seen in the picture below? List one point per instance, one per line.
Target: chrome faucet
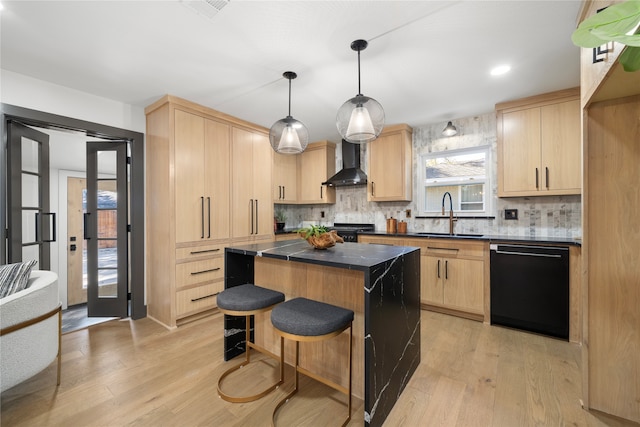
(451, 219)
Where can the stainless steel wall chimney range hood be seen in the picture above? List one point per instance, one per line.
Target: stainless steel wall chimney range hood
(351, 174)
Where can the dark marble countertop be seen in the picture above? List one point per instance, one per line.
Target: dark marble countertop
(351, 256)
(287, 230)
(485, 237)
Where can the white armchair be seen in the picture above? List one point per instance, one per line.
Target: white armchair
(30, 336)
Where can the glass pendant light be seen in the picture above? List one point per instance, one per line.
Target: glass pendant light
(449, 130)
(360, 119)
(288, 135)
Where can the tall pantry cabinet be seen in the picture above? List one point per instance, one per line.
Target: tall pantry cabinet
(191, 162)
(251, 204)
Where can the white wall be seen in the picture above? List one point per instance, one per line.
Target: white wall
(24, 91)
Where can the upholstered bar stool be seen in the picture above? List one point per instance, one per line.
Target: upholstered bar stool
(305, 320)
(248, 300)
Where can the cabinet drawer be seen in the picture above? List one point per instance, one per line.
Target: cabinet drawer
(191, 301)
(451, 248)
(191, 273)
(193, 252)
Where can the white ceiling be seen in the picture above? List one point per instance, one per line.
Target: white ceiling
(427, 61)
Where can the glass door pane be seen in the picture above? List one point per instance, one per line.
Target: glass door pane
(31, 227)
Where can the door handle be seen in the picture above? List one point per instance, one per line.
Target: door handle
(53, 224)
(283, 193)
(321, 192)
(537, 186)
(39, 226)
(446, 270)
(85, 218)
(373, 191)
(438, 269)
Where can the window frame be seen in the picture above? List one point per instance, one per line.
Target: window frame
(487, 181)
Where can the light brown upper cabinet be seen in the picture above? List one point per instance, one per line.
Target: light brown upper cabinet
(251, 202)
(285, 178)
(539, 145)
(316, 164)
(390, 159)
(298, 178)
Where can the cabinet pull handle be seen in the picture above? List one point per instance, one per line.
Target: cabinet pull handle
(209, 216)
(321, 192)
(283, 194)
(279, 192)
(438, 269)
(373, 188)
(546, 176)
(195, 273)
(537, 186)
(202, 217)
(251, 202)
(204, 297)
(256, 216)
(203, 252)
(446, 270)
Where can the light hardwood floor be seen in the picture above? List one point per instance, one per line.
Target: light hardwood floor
(138, 373)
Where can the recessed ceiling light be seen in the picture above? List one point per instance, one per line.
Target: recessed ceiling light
(500, 70)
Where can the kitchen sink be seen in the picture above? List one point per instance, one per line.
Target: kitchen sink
(429, 233)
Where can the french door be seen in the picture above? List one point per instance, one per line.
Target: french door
(31, 227)
(106, 229)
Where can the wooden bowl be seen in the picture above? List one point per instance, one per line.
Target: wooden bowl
(325, 240)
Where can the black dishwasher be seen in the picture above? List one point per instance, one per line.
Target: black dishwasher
(530, 288)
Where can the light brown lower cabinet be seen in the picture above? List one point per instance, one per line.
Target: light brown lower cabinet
(453, 273)
(452, 276)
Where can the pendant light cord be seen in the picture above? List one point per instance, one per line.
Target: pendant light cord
(359, 90)
(289, 97)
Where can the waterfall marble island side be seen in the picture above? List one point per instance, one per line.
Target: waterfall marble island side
(380, 283)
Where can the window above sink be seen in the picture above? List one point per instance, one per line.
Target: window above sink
(464, 173)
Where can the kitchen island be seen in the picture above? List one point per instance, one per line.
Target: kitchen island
(381, 284)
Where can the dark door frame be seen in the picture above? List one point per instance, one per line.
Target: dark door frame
(95, 130)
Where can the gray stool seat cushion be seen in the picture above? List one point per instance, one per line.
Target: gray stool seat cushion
(248, 297)
(301, 316)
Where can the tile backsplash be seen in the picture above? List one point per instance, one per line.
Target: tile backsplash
(545, 216)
